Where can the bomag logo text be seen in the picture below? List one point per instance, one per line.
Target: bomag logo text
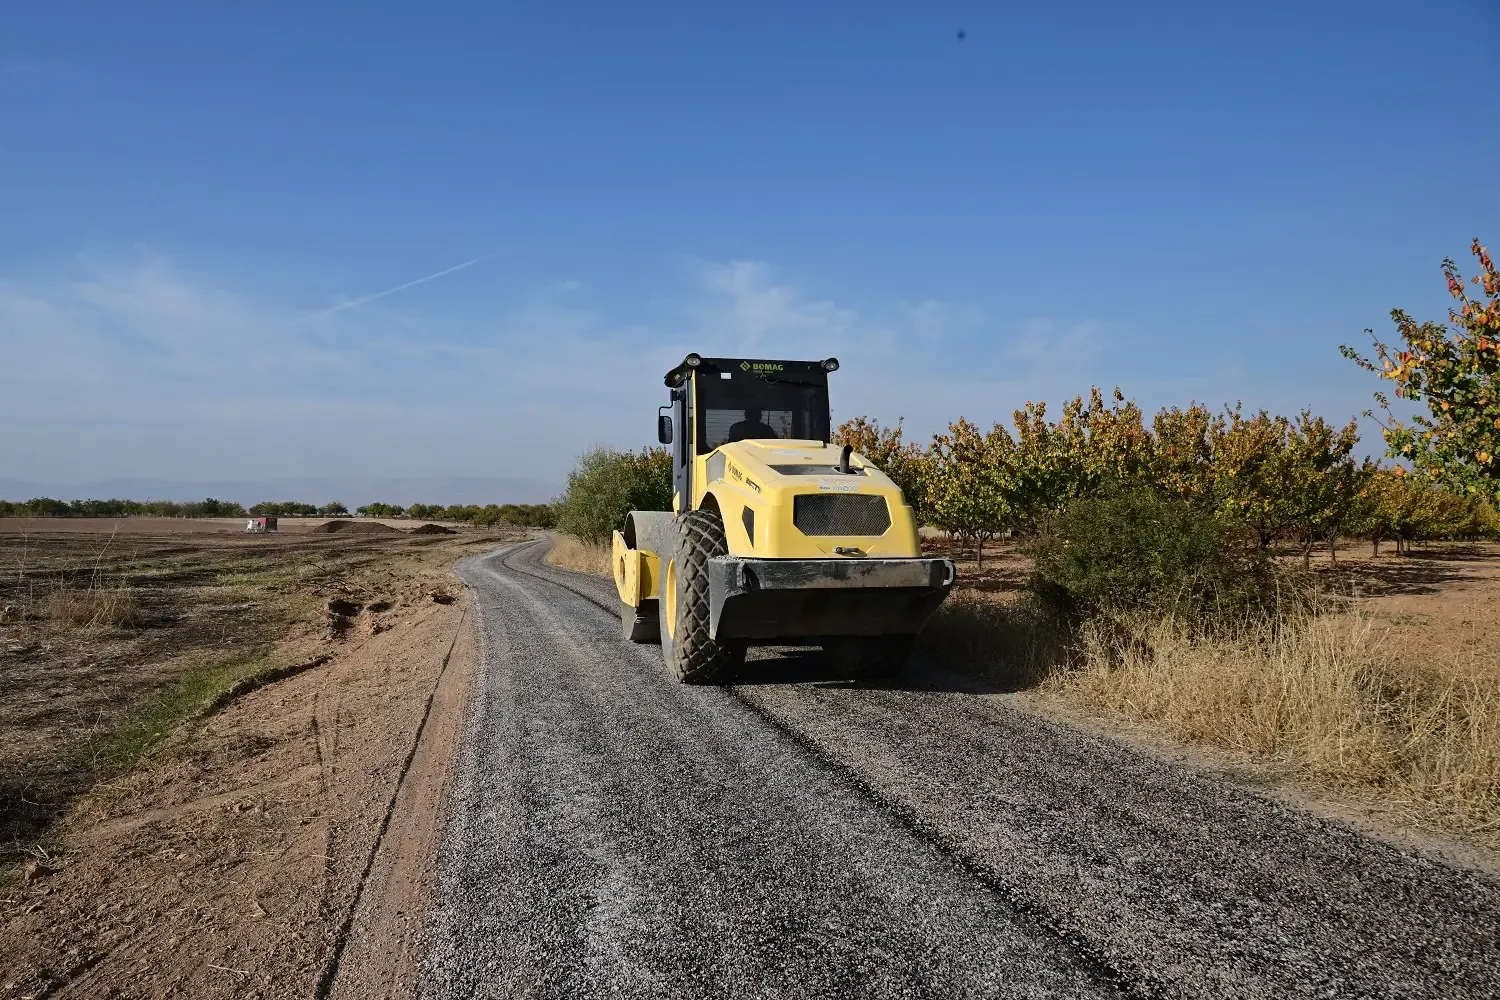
(761, 366)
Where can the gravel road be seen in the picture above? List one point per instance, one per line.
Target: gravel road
(615, 834)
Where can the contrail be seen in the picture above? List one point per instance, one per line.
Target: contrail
(391, 291)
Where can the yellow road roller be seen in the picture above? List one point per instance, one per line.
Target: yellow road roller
(775, 537)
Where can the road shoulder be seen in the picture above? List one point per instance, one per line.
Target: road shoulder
(252, 849)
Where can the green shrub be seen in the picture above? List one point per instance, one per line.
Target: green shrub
(606, 485)
(1131, 549)
(528, 515)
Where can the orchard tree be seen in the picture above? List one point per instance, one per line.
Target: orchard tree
(1187, 443)
(606, 485)
(1323, 480)
(1090, 445)
(1455, 373)
(971, 484)
(1101, 444)
(1253, 463)
(1043, 473)
(1372, 515)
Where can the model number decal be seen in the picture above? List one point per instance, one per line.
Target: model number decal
(837, 488)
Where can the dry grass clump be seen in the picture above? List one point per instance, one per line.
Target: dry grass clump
(584, 557)
(93, 608)
(1312, 695)
(1016, 644)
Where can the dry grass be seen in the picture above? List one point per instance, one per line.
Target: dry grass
(1017, 644)
(1319, 696)
(93, 608)
(571, 553)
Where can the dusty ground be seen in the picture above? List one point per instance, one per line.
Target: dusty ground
(1441, 597)
(1442, 600)
(251, 848)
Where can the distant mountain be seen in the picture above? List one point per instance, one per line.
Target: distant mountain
(353, 491)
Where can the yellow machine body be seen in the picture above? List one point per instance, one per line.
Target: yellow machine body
(774, 533)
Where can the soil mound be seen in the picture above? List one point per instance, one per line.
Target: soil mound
(355, 527)
(433, 529)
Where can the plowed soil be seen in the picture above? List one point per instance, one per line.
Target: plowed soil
(272, 831)
(355, 528)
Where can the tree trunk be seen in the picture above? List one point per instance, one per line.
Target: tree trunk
(1307, 548)
(1375, 547)
(1333, 549)
(979, 552)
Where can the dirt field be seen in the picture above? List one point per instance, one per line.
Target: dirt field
(200, 798)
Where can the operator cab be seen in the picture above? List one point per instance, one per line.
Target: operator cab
(722, 400)
(733, 399)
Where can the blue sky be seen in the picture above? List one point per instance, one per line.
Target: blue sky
(1192, 201)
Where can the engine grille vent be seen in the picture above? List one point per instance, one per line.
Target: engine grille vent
(840, 514)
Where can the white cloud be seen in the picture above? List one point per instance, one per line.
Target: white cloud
(1048, 344)
(135, 367)
(747, 310)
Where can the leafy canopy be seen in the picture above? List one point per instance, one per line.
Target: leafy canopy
(1455, 373)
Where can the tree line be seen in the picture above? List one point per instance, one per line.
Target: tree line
(47, 507)
(520, 515)
(1283, 479)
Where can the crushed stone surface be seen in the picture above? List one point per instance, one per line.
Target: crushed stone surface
(612, 833)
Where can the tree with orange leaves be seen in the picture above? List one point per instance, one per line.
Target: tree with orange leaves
(1456, 374)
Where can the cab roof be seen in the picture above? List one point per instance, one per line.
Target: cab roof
(678, 375)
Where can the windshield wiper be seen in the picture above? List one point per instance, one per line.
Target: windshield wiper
(788, 381)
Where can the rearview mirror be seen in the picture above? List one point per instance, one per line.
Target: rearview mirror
(663, 428)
